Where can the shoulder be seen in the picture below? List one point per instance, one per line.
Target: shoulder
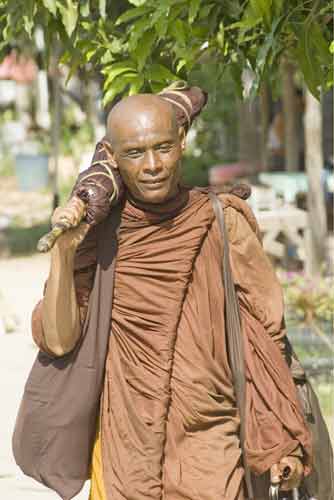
(238, 212)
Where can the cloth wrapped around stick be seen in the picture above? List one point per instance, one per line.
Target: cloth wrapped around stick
(101, 186)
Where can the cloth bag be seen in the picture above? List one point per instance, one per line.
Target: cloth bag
(319, 484)
(56, 423)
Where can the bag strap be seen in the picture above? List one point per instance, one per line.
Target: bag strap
(233, 334)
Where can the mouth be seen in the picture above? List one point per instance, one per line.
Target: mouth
(154, 183)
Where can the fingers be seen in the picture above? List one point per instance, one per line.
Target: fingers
(81, 230)
(275, 474)
(68, 242)
(288, 473)
(71, 214)
(296, 472)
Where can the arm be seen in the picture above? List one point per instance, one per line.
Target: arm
(260, 294)
(60, 311)
(57, 319)
(256, 281)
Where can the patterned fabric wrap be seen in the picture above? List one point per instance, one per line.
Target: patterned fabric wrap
(100, 186)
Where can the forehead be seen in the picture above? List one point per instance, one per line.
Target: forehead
(150, 123)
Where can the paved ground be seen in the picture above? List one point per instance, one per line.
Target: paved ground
(20, 287)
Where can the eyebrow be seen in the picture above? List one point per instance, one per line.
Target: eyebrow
(128, 145)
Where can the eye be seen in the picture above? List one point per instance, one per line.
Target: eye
(134, 153)
(164, 148)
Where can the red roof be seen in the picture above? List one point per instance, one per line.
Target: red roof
(18, 68)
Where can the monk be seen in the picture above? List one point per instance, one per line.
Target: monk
(169, 425)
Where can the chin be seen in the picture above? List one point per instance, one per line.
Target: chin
(155, 197)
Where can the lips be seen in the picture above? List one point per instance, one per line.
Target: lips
(154, 182)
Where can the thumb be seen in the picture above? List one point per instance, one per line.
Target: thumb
(275, 474)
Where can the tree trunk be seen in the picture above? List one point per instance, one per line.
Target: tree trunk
(314, 167)
(265, 122)
(56, 122)
(249, 142)
(290, 112)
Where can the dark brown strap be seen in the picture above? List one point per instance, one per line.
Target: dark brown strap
(234, 333)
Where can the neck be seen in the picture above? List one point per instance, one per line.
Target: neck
(169, 206)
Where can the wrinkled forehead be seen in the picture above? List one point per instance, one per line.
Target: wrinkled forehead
(139, 119)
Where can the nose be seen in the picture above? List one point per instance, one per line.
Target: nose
(153, 165)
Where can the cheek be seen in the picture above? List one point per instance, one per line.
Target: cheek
(173, 161)
(128, 172)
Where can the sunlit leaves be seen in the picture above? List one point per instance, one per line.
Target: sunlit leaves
(159, 73)
(116, 69)
(69, 13)
(144, 48)
(193, 10)
(137, 2)
(132, 14)
(168, 39)
(51, 5)
(28, 16)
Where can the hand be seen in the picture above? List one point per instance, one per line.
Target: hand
(288, 473)
(70, 216)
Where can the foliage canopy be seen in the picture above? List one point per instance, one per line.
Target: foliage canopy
(146, 44)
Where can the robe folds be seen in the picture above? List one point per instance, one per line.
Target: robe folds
(168, 421)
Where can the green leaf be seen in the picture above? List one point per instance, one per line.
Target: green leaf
(312, 53)
(84, 8)
(161, 26)
(262, 8)
(28, 16)
(89, 54)
(319, 42)
(178, 30)
(136, 85)
(69, 15)
(102, 8)
(137, 3)
(118, 86)
(278, 6)
(137, 30)
(306, 64)
(115, 46)
(73, 69)
(162, 10)
(221, 35)
(193, 10)
(131, 14)
(159, 73)
(51, 5)
(331, 47)
(180, 65)
(107, 58)
(205, 11)
(233, 9)
(236, 73)
(144, 47)
(116, 70)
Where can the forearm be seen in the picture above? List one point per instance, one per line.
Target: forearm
(60, 311)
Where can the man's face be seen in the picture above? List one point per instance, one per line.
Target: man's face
(147, 149)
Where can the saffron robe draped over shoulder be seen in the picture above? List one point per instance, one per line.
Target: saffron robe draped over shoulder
(169, 423)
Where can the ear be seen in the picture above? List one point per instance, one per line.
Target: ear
(110, 154)
(182, 137)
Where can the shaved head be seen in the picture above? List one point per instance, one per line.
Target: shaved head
(146, 146)
(138, 111)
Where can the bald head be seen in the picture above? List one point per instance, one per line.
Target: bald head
(146, 146)
(137, 113)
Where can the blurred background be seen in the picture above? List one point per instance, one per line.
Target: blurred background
(268, 122)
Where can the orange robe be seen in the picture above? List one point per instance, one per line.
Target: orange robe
(169, 422)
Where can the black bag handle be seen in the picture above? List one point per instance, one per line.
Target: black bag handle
(235, 347)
